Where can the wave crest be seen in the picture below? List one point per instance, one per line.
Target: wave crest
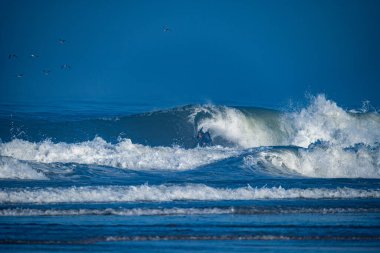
(123, 154)
(322, 120)
(323, 160)
(156, 193)
(13, 169)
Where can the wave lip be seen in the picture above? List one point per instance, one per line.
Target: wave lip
(321, 120)
(196, 192)
(242, 129)
(324, 120)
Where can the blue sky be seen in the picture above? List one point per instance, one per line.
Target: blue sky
(231, 52)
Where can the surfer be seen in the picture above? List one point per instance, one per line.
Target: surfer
(204, 138)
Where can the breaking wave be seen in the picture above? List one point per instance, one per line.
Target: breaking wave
(116, 212)
(178, 211)
(322, 120)
(123, 154)
(322, 160)
(159, 193)
(13, 169)
(320, 140)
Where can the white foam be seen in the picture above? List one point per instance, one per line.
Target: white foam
(322, 120)
(113, 211)
(234, 126)
(176, 211)
(235, 237)
(326, 161)
(173, 193)
(13, 169)
(123, 154)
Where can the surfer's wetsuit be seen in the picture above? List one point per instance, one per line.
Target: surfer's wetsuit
(204, 138)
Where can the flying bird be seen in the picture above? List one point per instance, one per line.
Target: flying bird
(11, 56)
(62, 41)
(34, 55)
(65, 66)
(20, 75)
(46, 72)
(167, 29)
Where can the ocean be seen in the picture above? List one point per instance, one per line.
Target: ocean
(132, 178)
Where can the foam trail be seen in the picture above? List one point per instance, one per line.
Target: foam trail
(267, 237)
(13, 169)
(15, 212)
(116, 212)
(123, 154)
(321, 160)
(173, 193)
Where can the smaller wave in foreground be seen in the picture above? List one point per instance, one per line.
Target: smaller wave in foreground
(198, 192)
(123, 154)
(177, 211)
(11, 168)
(320, 160)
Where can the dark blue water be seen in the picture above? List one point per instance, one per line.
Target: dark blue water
(119, 177)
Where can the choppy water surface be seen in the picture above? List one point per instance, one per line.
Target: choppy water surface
(131, 180)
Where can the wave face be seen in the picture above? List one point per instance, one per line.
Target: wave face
(308, 175)
(322, 120)
(321, 140)
(243, 127)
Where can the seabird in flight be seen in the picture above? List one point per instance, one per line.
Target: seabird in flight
(10, 56)
(65, 66)
(46, 72)
(62, 41)
(20, 75)
(167, 29)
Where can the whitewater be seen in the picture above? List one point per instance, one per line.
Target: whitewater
(321, 140)
(308, 175)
